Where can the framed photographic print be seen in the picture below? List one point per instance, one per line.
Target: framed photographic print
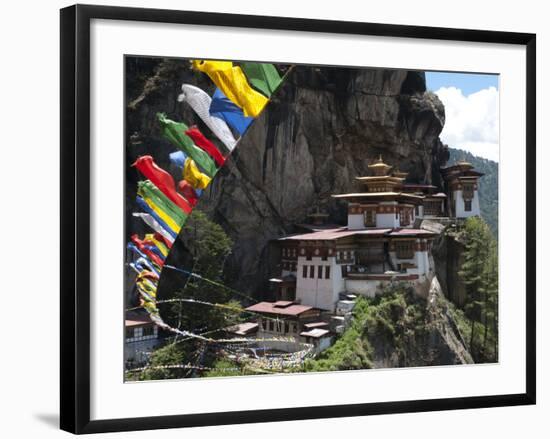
(284, 218)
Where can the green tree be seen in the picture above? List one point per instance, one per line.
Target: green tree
(209, 246)
(479, 273)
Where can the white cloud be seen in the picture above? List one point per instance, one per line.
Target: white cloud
(471, 122)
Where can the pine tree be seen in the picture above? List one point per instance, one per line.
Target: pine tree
(479, 273)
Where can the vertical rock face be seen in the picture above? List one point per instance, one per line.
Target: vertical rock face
(321, 130)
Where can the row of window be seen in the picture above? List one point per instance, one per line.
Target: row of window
(309, 271)
(370, 217)
(283, 327)
(290, 252)
(147, 331)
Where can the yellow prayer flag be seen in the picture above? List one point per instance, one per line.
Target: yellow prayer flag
(194, 176)
(232, 81)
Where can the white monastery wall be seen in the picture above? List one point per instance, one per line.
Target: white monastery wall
(356, 221)
(318, 292)
(459, 205)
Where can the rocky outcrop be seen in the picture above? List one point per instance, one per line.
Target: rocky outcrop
(424, 334)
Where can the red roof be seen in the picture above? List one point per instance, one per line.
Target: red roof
(137, 319)
(332, 234)
(410, 232)
(293, 309)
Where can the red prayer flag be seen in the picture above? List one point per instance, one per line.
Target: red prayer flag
(161, 238)
(206, 145)
(163, 180)
(143, 248)
(188, 192)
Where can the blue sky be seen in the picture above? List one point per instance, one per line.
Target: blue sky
(467, 82)
(471, 111)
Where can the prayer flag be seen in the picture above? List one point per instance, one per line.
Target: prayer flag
(206, 145)
(175, 133)
(154, 224)
(232, 81)
(223, 108)
(178, 158)
(262, 76)
(146, 189)
(162, 180)
(193, 176)
(200, 103)
(188, 192)
(165, 221)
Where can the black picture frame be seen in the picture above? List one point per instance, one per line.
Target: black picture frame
(75, 217)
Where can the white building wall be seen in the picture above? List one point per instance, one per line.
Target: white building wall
(459, 205)
(356, 221)
(320, 293)
(367, 288)
(387, 220)
(420, 259)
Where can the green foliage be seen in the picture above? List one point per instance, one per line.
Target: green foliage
(169, 354)
(488, 185)
(479, 273)
(350, 351)
(393, 319)
(209, 246)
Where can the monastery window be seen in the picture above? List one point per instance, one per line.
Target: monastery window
(320, 272)
(312, 271)
(148, 331)
(264, 324)
(370, 218)
(327, 272)
(404, 249)
(271, 325)
(468, 205)
(286, 327)
(344, 270)
(130, 333)
(295, 328)
(404, 217)
(293, 267)
(467, 191)
(304, 271)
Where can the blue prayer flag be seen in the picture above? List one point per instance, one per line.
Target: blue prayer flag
(223, 108)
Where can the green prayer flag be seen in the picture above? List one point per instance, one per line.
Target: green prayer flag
(262, 76)
(149, 191)
(175, 133)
